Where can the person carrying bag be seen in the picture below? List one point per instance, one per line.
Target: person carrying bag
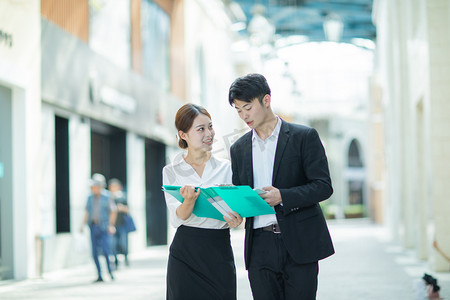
(124, 222)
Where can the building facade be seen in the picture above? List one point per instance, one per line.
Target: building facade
(91, 86)
(411, 97)
(19, 141)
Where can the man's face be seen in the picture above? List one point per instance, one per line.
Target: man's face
(253, 113)
(96, 190)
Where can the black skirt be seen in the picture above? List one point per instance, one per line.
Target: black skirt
(201, 265)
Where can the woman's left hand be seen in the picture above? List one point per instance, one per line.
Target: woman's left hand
(233, 219)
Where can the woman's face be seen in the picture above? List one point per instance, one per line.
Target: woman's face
(201, 135)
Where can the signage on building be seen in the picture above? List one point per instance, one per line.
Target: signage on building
(6, 39)
(109, 96)
(118, 100)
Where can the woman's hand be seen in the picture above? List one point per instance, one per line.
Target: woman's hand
(122, 208)
(189, 194)
(233, 219)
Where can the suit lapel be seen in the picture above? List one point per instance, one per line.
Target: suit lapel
(283, 138)
(248, 161)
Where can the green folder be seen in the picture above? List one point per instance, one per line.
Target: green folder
(214, 202)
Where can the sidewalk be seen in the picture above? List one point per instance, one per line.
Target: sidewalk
(366, 266)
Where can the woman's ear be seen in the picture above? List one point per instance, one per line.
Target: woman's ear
(182, 135)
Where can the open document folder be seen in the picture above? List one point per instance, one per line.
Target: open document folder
(215, 202)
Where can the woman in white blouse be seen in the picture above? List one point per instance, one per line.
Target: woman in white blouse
(201, 261)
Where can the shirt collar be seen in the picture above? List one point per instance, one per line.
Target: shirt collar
(274, 135)
(179, 159)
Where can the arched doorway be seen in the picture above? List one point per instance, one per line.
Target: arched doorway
(355, 175)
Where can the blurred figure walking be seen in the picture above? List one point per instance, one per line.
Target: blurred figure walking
(120, 238)
(100, 215)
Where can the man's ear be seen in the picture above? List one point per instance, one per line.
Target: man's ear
(266, 100)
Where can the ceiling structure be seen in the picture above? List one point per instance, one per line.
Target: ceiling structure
(306, 17)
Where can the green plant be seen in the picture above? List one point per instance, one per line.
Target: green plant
(354, 210)
(329, 210)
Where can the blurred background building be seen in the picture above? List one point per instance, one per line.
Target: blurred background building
(410, 100)
(93, 86)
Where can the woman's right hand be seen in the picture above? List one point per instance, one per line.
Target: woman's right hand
(189, 193)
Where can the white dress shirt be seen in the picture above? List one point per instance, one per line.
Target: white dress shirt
(263, 161)
(217, 171)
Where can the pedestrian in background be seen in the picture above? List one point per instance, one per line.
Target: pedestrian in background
(100, 215)
(120, 238)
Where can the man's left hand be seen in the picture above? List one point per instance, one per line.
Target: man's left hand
(111, 229)
(273, 195)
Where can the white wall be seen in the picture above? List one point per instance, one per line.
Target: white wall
(438, 16)
(20, 70)
(136, 190)
(79, 166)
(62, 250)
(207, 31)
(69, 249)
(342, 131)
(47, 183)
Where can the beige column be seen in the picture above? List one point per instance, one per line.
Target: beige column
(438, 18)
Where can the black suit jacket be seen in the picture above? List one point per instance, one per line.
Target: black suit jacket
(302, 176)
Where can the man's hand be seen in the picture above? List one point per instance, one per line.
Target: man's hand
(111, 229)
(272, 197)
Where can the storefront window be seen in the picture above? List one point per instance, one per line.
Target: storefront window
(155, 30)
(109, 30)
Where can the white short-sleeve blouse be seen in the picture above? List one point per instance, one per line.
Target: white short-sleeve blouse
(217, 171)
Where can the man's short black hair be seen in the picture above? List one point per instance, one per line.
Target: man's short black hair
(249, 87)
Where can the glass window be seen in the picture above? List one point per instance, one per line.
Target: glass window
(110, 30)
(155, 30)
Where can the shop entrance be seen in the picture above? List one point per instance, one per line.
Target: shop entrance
(6, 203)
(108, 151)
(155, 205)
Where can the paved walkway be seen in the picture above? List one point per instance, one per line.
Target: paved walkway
(366, 266)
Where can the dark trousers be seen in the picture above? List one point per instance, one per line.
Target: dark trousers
(120, 242)
(100, 240)
(274, 275)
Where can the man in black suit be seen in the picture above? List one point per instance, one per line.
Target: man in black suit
(288, 161)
